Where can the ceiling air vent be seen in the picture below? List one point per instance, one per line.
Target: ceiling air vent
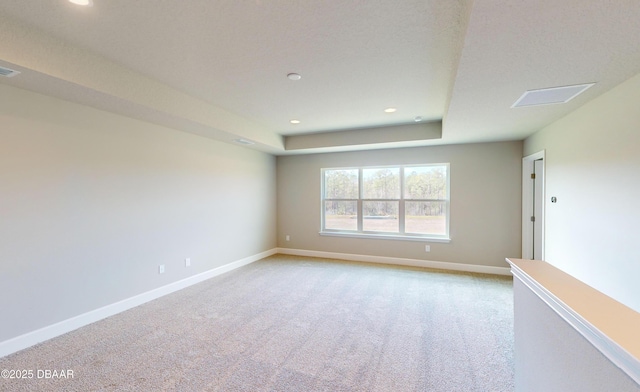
(7, 73)
(549, 96)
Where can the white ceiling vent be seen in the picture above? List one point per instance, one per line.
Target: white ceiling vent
(7, 73)
(549, 96)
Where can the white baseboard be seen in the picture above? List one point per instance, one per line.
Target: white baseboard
(483, 269)
(31, 338)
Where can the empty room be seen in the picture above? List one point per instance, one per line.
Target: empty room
(273, 195)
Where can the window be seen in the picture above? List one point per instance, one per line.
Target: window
(410, 202)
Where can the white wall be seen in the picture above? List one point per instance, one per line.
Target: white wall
(593, 168)
(486, 188)
(91, 203)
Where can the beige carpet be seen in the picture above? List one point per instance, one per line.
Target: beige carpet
(290, 323)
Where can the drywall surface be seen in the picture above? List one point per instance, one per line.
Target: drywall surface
(592, 166)
(486, 190)
(551, 356)
(92, 203)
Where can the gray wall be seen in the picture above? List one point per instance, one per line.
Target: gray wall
(91, 203)
(593, 168)
(486, 189)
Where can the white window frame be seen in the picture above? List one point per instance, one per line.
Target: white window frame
(400, 235)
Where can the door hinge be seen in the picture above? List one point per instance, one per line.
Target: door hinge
(533, 219)
(533, 176)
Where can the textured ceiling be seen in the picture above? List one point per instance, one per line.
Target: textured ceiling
(511, 47)
(218, 68)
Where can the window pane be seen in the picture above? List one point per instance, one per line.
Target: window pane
(425, 217)
(341, 184)
(341, 215)
(380, 216)
(381, 183)
(427, 182)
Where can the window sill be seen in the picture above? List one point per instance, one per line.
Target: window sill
(385, 236)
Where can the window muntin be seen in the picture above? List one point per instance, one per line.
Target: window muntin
(398, 201)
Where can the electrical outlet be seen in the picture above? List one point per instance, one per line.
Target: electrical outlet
(161, 269)
(288, 238)
(187, 262)
(427, 248)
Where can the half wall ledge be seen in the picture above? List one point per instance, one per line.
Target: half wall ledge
(609, 326)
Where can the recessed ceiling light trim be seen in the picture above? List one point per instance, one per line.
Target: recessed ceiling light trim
(84, 3)
(294, 76)
(551, 96)
(244, 141)
(8, 72)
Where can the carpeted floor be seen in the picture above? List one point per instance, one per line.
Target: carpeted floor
(290, 323)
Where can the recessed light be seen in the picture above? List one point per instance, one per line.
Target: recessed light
(390, 110)
(8, 72)
(417, 118)
(243, 141)
(88, 3)
(294, 76)
(294, 121)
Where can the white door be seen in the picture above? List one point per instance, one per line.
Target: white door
(538, 199)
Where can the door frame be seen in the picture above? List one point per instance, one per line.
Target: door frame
(527, 202)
